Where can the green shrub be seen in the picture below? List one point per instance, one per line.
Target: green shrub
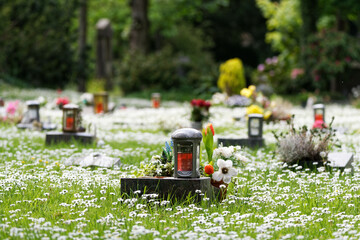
(330, 55)
(232, 76)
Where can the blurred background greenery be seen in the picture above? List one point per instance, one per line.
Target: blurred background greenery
(286, 46)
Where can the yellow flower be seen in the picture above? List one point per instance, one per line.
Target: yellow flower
(40, 160)
(267, 114)
(254, 109)
(252, 88)
(246, 92)
(46, 162)
(23, 162)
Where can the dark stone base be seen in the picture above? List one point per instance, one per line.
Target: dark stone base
(244, 142)
(45, 126)
(171, 188)
(58, 137)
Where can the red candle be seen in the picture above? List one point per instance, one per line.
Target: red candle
(69, 123)
(318, 117)
(99, 108)
(156, 103)
(184, 162)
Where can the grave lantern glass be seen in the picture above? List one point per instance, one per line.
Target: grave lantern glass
(101, 101)
(186, 152)
(33, 111)
(255, 125)
(71, 116)
(155, 99)
(319, 112)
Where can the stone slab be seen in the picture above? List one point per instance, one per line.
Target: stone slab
(170, 187)
(244, 142)
(341, 160)
(45, 126)
(58, 137)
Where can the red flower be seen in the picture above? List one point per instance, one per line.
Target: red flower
(209, 169)
(211, 128)
(62, 101)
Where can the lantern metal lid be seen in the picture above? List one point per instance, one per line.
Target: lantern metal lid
(318, 106)
(70, 106)
(186, 133)
(31, 103)
(186, 152)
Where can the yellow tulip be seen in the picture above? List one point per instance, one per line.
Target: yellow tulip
(254, 109)
(246, 92)
(252, 88)
(267, 114)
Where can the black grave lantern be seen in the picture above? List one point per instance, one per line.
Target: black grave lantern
(319, 112)
(255, 125)
(186, 152)
(33, 111)
(101, 101)
(71, 118)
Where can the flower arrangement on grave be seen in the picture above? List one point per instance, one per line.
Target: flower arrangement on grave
(303, 146)
(200, 110)
(224, 157)
(160, 165)
(13, 111)
(61, 101)
(272, 110)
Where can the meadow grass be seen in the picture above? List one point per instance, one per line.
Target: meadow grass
(41, 198)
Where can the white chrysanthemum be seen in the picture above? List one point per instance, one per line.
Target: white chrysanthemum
(225, 172)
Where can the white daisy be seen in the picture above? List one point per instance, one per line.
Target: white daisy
(225, 172)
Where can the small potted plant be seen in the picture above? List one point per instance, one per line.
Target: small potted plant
(199, 112)
(308, 148)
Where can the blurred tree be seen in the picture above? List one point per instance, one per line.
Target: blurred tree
(139, 33)
(83, 66)
(36, 41)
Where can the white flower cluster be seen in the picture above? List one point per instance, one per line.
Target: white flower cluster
(232, 153)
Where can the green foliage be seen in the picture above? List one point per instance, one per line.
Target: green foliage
(182, 63)
(330, 55)
(36, 41)
(232, 76)
(283, 23)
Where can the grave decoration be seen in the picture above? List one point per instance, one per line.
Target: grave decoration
(304, 148)
(275, 110)
(199, 112)
(155, 100)
(62, 101)
(177, 173)
(94, 159)
(255, 130)
(31, 118)
(225, 158)
(2, 103)
(71, 126)
(319, 116)
(101, 102)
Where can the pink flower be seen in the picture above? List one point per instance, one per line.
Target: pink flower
(296, 72)
(261, 67)
(12, 107)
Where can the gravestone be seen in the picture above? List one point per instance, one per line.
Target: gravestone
(341, 161)
(67, 137)
(243, 142)
(104, 50)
